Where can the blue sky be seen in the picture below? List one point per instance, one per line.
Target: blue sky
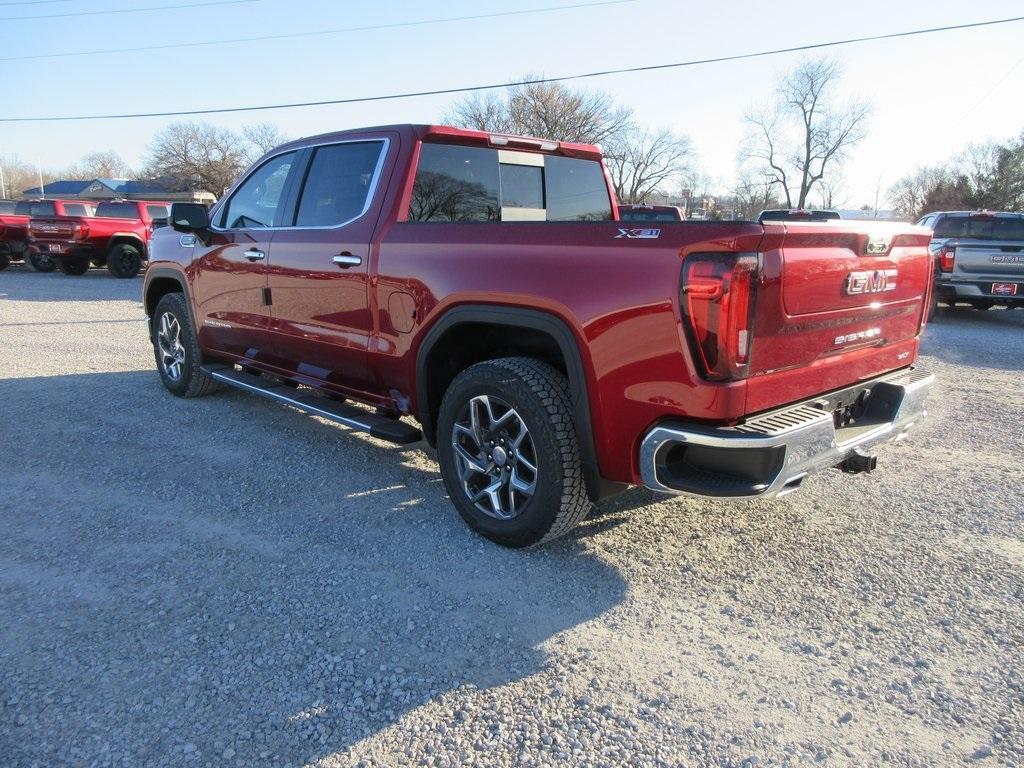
(925, 90)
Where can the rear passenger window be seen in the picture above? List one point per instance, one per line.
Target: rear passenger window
(456, 184)
(337, 187)
(254, 204)
(482, 184)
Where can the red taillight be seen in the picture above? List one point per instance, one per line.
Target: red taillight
(717, 298)
(946, 257)
(81, 231)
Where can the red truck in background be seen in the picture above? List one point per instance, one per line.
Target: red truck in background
(116, 236)
(483, 286)
(14, 219)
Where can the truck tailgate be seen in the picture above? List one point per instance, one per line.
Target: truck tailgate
(845, 295)
(998, 258)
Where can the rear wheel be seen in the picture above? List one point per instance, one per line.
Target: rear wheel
(40, 262)
(176, 347)
(507, 447)
(124, 260)
(74, 265)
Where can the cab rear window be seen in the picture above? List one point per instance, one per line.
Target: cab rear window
(35, 208)
(467, 184)
(980, 227)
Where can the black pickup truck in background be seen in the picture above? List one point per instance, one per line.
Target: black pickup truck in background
(979, 257)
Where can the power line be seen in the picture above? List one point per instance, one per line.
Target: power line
(33, 2)
(531, 81)
(316, 33)
(125, 10)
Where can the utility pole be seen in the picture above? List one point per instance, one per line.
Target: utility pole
(42, 189)
(3, 187)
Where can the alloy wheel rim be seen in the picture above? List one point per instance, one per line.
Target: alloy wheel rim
(496, 457)
(172, 351)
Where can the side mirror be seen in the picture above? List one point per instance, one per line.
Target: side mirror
(189, 217)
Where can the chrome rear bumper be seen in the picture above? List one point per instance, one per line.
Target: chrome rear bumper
(770, 455)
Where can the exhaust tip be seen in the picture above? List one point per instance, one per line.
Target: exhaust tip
(857, 461)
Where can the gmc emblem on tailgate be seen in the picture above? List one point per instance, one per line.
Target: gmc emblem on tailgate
(872, 281)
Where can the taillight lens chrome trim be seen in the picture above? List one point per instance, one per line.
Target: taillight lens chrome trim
(717, 297)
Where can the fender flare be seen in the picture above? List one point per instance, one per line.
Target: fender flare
(535, 319)
(178, 277)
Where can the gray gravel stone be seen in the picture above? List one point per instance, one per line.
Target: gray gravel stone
(225, 581)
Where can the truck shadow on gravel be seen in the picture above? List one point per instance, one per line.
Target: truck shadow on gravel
(226, 581)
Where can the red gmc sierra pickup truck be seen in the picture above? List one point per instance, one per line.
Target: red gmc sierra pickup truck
(481, 285)
(117, 236)
(14, 219)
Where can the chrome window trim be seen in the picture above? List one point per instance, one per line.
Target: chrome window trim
(370, 192)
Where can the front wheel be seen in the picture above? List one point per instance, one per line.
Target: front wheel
(124, 260)
(176, 347)
(74, 265)
(507, 446)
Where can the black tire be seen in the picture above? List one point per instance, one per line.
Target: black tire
(190, 381)
(539, 395)
(5, 261)
(74, 265)
(40, 262)
(124, 260)
(981, 304)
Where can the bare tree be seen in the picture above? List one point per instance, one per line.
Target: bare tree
(197, 156)
(641, 162)
(20, 176)
(99, 165)
(481, 111)
(260, 138)
(545, 110)
(908, 196)
(803, 135)
(754, 192)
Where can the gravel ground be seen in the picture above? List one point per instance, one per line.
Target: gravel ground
(227, 582)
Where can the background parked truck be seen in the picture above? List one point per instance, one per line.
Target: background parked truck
(116, 236)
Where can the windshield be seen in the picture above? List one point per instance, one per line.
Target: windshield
(981, 227)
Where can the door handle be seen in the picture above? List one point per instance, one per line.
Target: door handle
(346, 260)
(254, 254)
